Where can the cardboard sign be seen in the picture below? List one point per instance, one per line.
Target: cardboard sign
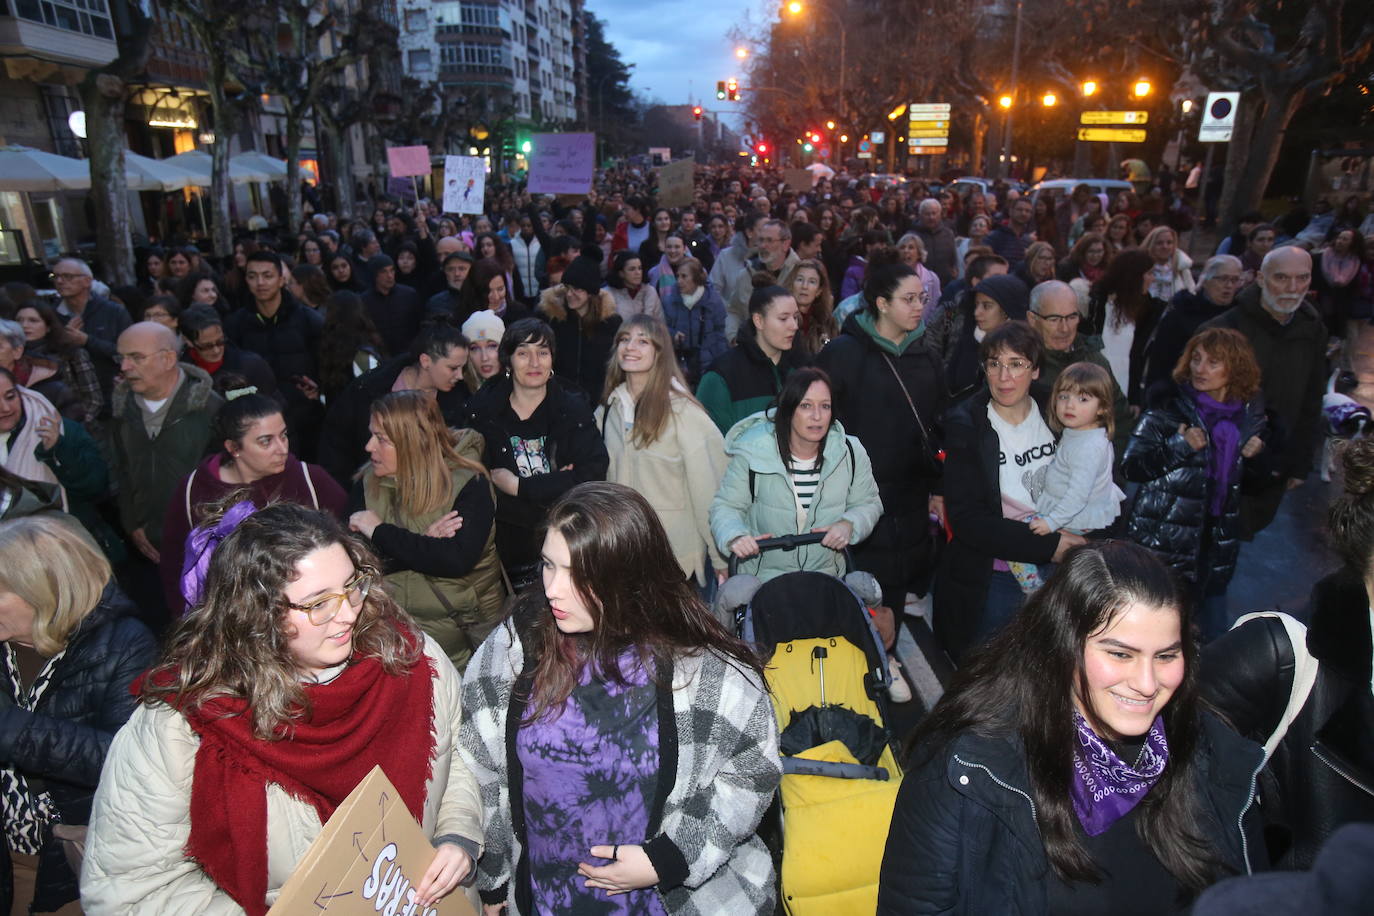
(799, 179)
(465, 184)
(676, 183)
(562, 163)
(408, 160)
(368, 859)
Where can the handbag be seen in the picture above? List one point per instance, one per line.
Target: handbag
(930, 461)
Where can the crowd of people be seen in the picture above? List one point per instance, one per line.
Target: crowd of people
(453, 495)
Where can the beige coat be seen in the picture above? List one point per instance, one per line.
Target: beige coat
(140, 820)
(678, 474)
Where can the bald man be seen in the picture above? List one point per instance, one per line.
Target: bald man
(1289, 339)
(163, 411)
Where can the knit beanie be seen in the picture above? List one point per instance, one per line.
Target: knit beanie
(583, 274)
(1008, 292)
(484, 325)
(379, 262)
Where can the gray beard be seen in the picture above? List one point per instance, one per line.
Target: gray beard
(1274, 304)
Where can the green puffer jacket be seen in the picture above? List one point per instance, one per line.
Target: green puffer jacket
(756, 497)
(476, 599)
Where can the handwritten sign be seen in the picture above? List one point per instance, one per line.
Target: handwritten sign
(368, 859)
(562, 163)
(465, 184)
(676, 183)
(408, 160)
(798, 179)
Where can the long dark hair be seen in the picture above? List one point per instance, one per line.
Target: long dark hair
(620, 563)
(1023, 682)
(1123, 279)
(347, 329)
(793, 391)
(885, 271)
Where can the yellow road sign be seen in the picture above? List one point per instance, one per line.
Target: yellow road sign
(1114, 117)
(1112, 134)
(940, 132)
(927, 150)
(928, 125)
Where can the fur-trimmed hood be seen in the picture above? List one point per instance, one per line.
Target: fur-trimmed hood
(553, 304)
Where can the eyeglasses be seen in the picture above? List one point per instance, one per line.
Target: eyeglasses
(1013, 367)
(913, 299)
(138, 359)
(325, 609)
(1230, 281)
(66, 276)
(206, 346)
(1058, 321)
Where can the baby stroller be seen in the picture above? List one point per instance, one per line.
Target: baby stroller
(828, 677)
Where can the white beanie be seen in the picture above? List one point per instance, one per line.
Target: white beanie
(484, 325)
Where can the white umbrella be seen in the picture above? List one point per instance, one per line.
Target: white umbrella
(200, 163)
(161, 174)
(261, 162)
(23, 168)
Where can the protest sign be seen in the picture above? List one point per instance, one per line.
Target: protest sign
(562, 163)
(676, 183)
(465, 184)
(368, 859)
(798, 179)
(408, 160)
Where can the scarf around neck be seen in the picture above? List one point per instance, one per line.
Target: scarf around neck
(1222, 420)
(1105, 788)
(353, 725)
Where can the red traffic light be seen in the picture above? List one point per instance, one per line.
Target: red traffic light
(763, 147)
(696, 112)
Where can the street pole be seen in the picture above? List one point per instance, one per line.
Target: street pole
(1005, 169)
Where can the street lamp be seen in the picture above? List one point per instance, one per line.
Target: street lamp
(741, 53)
(829, 125)
(1089, 88)
(794, 7)
(1005, 101)
(1142, 88)
(1050, 100)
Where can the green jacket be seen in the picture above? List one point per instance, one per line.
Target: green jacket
(75, 460)
(1087, 349)
(756, 497)
(743, 381)
(148, 470)
(475, 600)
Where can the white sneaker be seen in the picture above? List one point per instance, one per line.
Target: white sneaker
(899, 691)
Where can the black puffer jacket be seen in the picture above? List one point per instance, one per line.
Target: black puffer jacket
(1170, 514)
(1321, 775)
(964, 838)
(62, 744)
(289, 340)
(1188, 311)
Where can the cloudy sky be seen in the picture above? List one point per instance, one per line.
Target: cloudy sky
(679, 49)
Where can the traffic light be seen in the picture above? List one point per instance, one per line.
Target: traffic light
(696, 112)
(720, 89)
(732, 89)
(762, 147)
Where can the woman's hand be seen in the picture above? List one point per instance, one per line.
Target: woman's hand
(505, 481)
(746, 545)
(364, 522)
(936, 506)
(1252, 447)
(1195, 436)
(1039, 526)
(451, 864)
(837, 536)
(445, 526)
(631, 870)
(493, 909)
(1067, 541)
(49, 431)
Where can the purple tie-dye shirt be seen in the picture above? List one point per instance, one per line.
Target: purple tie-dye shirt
(590, 778)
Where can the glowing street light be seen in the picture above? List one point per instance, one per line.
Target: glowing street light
(1050, 100)
(1187, 105)
(844, 138)
(1142, 88)
(741, 53)
(829, 125)
(1089, 87)
(794, 8)
(1005, 101)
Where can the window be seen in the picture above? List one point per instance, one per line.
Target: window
(420, 61)
(417, 20)
(481, 15)
(89, 17)
(492, 56)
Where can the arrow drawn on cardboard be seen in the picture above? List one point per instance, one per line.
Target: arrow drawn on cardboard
(327, 897)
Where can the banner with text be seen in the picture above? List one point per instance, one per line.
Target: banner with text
(562, 163)
(465, 184)
(676, 183)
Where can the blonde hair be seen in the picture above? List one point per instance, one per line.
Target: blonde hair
(426, 451)
(53, 566)
(655, 404)
(1092, 380)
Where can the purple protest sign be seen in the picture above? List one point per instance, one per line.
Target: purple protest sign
(562, 163)
(408, 160)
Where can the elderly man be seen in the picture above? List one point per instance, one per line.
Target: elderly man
(1289, 339)
(1054, 315)
(1215, 293)
(91, 322)
(163, 412)
(775, 258)
(942, 249)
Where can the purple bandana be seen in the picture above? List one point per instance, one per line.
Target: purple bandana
(1104, 787)
(201, 544)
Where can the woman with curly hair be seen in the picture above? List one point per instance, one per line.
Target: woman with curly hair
(294, 676)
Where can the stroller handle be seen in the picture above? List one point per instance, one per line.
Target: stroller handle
(792, 542)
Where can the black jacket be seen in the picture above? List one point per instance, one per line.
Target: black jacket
(343, 439)
(964, 838)
(62, 744)
(247, 364)
(397, 316)
(973, 506)
(1170, 512)
(1321, 775)
(289, 340)
(1293, 370)
(1186, 313)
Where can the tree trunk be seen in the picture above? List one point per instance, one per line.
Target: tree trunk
(102, 95)
(295, 210)
(1262, 152)
(1237, 151)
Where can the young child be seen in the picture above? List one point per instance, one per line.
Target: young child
(1075, 490)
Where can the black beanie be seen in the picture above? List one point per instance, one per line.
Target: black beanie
(583, 274)
(1009, 292)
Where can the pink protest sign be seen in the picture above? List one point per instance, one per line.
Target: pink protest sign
(408, 160)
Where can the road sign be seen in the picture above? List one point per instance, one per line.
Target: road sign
(868, 155)
(1112, 134)
(865, 146)
(1219, 117)
(937, 140)
(928, 110)
(878, 136)
(927, 150)
(1114, 117)
(928, 125)
(928, 133)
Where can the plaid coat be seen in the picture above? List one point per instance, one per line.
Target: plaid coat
(718, 744)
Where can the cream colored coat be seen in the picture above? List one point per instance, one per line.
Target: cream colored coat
(678, 474)
(140, 820)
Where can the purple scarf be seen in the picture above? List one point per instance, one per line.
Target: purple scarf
(201, 544)
(1104, 787)
(1223, 429)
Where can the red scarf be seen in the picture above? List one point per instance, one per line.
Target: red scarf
(204, 363)
(354, 725)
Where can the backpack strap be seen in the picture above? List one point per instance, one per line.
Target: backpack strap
(190, 480)
(310, 485)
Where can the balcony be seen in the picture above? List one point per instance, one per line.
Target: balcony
(476, 75)
(23, 37)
